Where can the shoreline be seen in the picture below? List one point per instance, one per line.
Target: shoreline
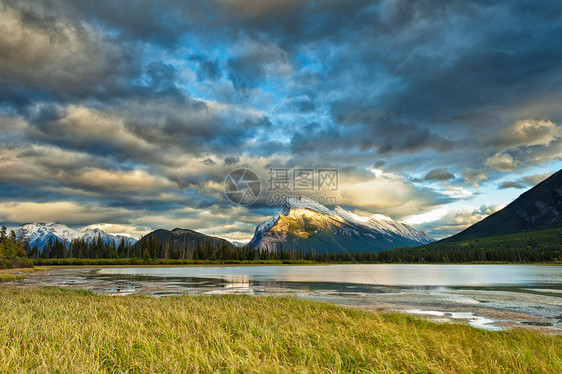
(506, 306)
(288, 263)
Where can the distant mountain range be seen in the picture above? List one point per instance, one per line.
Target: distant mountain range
(300, 224)
(39, 234)
(539, 208)
(305, 224)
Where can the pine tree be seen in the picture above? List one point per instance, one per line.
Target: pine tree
(167, 248)
(8, 249)
(121, 249)
(146, 255)
(3, 234)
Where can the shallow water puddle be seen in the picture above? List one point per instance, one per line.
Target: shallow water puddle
(471, 318)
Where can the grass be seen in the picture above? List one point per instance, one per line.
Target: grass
(24, 270)
(7, 277)
(52, 330)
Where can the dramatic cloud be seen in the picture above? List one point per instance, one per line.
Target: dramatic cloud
(533, 180)
(509, 184)
(525, 182)
(130, 115)
(530, 132)
(441, 174)
(453, 221)
(59, 211)
(390, 194)
(502, 162)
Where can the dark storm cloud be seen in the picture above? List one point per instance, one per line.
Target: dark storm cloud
(367, 130)
(48, 57)
(133, 105)
(525, 182)
(208, 69)
(231, 160)
(441, 174)
(508, 184)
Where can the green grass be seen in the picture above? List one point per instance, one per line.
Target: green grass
(52, 330)
(7, 277)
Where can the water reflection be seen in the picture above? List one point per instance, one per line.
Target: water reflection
(125, 282)
(389, 275)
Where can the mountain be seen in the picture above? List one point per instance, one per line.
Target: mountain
(90, 234)
(181, 236)
(304, 224)
(539, 208)
(40, 233)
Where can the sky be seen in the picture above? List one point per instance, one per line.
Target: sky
(129, 115)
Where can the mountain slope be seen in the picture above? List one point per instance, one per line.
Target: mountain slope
(40, 233)
(181, 236)
(304, 224)
(537, 209)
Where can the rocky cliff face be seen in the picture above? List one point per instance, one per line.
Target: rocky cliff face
(305, 224)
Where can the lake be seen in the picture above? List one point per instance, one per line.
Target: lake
(383, 274)
(485, 296)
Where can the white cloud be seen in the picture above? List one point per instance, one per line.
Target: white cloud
(439, 225)
(59, 211)
(502, 162)
(530, 132)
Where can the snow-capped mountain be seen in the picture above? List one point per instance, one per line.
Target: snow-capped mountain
(90, 234)
(40, 233)
(305, 224)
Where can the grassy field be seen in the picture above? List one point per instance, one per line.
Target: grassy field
(59, 330)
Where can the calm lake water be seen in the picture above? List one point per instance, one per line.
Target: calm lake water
(384, 275)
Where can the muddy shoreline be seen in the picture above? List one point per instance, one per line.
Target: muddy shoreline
(492, 308)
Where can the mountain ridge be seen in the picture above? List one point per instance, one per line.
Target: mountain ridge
(179, 243)
(538, 208)
(39, 233)
(304, 224)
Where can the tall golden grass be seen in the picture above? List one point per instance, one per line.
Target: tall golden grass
(8, 277)
(52, 330)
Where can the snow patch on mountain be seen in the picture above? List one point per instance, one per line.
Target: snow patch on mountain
(383, 224)
(347, 223)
